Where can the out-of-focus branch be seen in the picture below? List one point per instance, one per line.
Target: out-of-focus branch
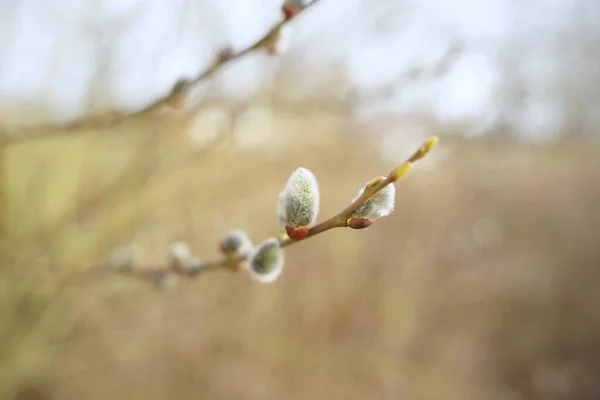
(180, 89)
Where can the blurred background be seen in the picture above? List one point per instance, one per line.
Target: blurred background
(481, 285)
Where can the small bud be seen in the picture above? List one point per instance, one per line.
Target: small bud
(179, 254)
(165, 280)
(236, 243)
(381, 204)
(224, 55)
(177, 97)
(298, 204)
(359, 223)
(296, 232)
(195, 266)
(265, 262)
(289, 10)
(280, 40)
(180, 86)
(179, 251)
(124, 258)
(176, 101)
(425, 148)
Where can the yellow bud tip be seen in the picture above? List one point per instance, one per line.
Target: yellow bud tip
(375, 181)
(403, 170)
(425, 148)
(430, 144)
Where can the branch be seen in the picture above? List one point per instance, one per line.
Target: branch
(375, 200)
(180, 89)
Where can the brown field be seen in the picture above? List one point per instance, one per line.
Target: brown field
(482, 285)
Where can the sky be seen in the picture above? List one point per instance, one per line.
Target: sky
(530, 68)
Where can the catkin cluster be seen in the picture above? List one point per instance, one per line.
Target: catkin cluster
(297, 211)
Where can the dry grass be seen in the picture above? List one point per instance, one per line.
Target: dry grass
(481, 286)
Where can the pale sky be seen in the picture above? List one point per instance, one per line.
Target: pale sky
(532, 67)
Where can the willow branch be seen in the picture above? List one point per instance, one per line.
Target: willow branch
(341, 220)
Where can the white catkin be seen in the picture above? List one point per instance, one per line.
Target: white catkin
(195, 266)
(379, 205)
(122, 258)
(238, 242)
(299, 202)
(265, 262)
(179, 251)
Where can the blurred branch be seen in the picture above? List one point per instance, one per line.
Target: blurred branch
(360, 214)
(320, 101)
(438, 69)
(180, 89)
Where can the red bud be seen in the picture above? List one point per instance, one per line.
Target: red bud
(359, 223)
(272, 49)
(296, 232)
(289, 11)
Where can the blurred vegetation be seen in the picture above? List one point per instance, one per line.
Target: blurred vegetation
(482, 285)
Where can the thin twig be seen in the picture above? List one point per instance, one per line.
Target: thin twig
(180, 89)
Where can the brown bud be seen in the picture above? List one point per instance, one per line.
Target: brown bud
(359, 223)
(224, 55)
(296, 232)
(289, 11)
(279, 40)
(272, 49)
(180, 86)
(177, 97)
(194, 266)
(176, 100)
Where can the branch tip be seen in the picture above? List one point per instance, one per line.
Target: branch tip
(425, 149)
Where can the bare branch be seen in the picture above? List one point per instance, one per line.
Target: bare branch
(175, 98)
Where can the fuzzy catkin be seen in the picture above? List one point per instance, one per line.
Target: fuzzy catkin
(299, 200)
(265, 262)
(237, 242)
(381, 204)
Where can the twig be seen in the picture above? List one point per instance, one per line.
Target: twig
(171, 100)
